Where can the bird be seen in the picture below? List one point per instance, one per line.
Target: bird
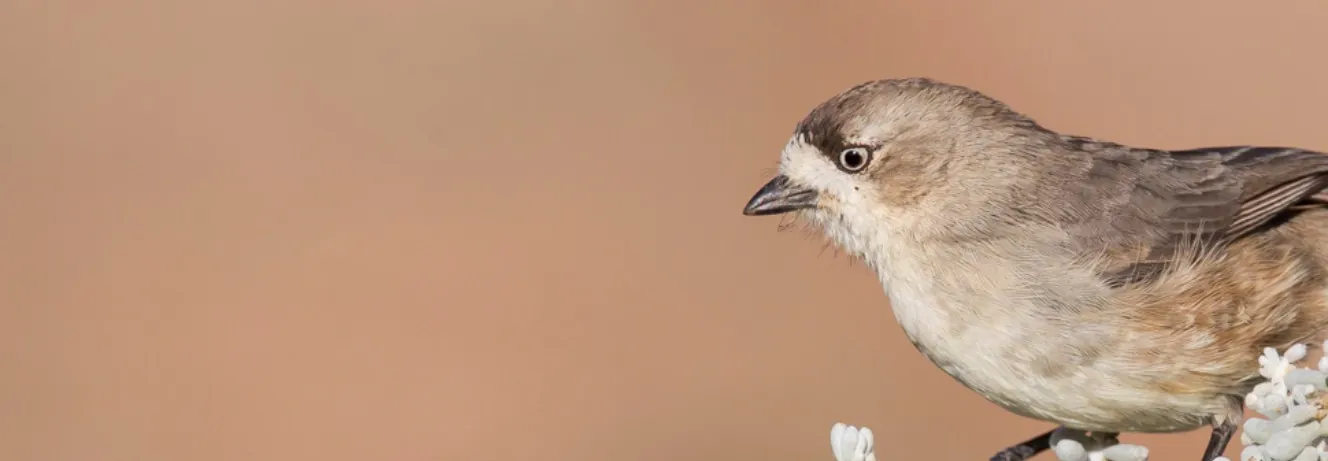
(1100, 286)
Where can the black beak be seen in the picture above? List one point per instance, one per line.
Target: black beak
(779, 196)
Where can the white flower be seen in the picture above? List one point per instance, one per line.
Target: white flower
(852, 444)
(1290, 400)
(1074, 445)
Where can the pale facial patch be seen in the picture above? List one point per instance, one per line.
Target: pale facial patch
(804, 164)
(846, 209)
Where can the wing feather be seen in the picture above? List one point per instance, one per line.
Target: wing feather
(1188, 203)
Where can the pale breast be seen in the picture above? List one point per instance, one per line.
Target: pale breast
(987, 324)
(1006, 319)
(1033, 374)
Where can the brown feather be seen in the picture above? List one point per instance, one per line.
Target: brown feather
(1189, 203)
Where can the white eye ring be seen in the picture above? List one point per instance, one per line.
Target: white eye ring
(854, 159)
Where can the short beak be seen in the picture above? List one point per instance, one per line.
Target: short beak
(780, 196)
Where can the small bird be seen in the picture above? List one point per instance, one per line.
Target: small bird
(1098, 286)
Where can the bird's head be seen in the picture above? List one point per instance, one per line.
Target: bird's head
(904, 157)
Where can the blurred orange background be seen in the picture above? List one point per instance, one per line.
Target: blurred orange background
(407, 230)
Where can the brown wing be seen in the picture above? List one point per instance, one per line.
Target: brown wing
(1185, 203)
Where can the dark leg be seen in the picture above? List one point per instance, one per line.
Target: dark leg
(1026, 449)
(1217, 443)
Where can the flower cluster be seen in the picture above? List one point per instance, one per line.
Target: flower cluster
(1292, 400)
(1072, 445)
(851, 443)
(1294, 427)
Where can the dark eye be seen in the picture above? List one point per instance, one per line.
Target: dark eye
(854, 159)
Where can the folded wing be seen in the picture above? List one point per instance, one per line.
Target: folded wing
(1162, 207)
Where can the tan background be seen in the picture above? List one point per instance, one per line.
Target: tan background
(407, 230)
